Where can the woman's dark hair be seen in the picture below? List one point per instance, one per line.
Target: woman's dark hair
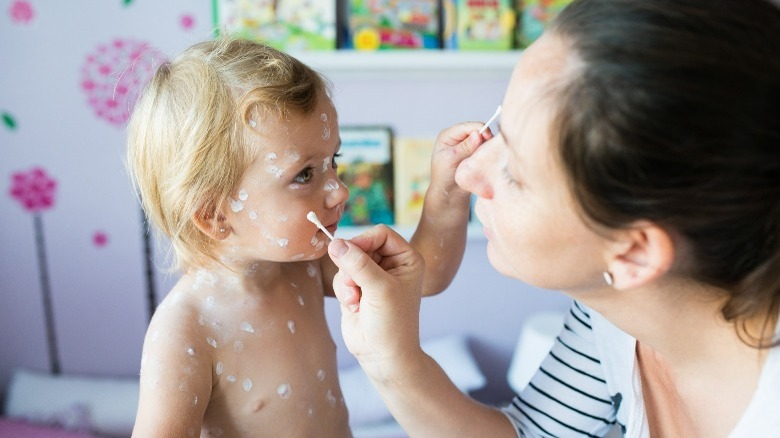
(674, 117)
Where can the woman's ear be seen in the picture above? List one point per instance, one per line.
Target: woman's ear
(213, 224)
(640, 255)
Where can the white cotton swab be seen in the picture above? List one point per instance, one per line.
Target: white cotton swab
(490, 120)
(312, 217)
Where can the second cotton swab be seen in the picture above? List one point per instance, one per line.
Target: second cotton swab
(312, 217)
(490, 120)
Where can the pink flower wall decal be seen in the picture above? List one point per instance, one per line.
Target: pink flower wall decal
(187, 21)
(100, 239)
(35, 192)
(21, 12)
(33, 189)
(113, 76)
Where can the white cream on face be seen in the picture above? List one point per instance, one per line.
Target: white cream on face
(243, 195)
(291, 326)
(331, 185)
(325, 126)
(247, 384)
(253, 215)
(236, 205)
(211, 341)
(247, 327)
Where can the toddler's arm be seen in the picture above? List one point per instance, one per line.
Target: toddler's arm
(175, 379)
(441, 233)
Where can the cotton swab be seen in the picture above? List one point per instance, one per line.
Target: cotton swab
(312, 217)
(495, 114)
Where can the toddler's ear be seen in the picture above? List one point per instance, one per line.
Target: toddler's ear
(212, 224)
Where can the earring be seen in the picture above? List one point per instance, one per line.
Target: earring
(608, 278)
(222, 230)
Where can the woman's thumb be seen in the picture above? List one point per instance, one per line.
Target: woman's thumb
(351, 260)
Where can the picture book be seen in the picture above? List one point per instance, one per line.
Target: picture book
(412, 168)
(534, 17)
(288, 25)
(392, 24)
(479, 24)
(366, 167)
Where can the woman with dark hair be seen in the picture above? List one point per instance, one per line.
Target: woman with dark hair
(637, 169)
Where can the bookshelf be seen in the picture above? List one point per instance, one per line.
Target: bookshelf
(412, 62)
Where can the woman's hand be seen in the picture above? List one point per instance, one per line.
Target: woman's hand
(379, 286)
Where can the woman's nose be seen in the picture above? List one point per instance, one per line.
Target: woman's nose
(472, 173)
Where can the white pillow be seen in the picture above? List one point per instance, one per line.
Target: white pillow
(452, 354)
(102, 405)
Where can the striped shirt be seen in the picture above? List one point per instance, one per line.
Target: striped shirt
(589, 382)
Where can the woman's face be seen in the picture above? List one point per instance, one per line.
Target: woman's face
(534, 231)
(294, 173)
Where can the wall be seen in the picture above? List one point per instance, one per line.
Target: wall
(84, 243)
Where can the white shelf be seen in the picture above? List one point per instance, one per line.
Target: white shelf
(410, 61)
(475, 232)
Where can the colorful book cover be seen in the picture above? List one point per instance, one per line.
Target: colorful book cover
(392, 24)
(534, 17)
(480, 24)
(288, 25)
(366, 167)
(412, 161)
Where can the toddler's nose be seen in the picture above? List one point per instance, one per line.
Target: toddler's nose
(338, 193)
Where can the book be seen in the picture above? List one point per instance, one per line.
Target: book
(412, 169)
(392, 24)
(479, 24)
(366, 167)
(534, 16)
(287, 25)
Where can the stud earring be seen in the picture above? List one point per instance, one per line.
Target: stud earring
(222, 230)
(608, 278)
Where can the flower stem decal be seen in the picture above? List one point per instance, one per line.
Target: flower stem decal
(35, 192)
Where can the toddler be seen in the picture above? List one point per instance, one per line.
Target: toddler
(230, 146)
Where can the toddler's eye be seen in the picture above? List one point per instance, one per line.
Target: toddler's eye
(304, 176)
(333, 161)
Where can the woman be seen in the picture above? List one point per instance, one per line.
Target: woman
(637, 169)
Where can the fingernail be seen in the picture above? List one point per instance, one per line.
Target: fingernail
(338, 248)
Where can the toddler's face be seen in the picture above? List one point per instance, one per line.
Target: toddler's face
(294, 173)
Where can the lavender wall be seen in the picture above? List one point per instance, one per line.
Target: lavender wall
(91, 232)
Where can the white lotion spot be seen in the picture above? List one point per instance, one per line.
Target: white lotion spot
(297, 257)
(311, 270)
(253, 215)
(212, 341)
(220, 368)
(331, 398)
(243, 195)
(293, 155)
(231, 378)
(283, 242)
(275, 170)
(291, 326)
(247, 327)
(270, 156)
(247, 384)
(236, 205)
(252, 123)
(209, 301)
(300, 300)
(284, 390)
(191, 351)
(321, 375)
(283, 218)
(326, 164)
(331, 185)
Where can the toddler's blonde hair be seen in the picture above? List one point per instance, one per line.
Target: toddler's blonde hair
(190, 139)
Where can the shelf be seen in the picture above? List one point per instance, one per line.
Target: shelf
(475, 232)
(410, 61)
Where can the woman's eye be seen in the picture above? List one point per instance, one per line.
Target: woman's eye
(304, 176)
